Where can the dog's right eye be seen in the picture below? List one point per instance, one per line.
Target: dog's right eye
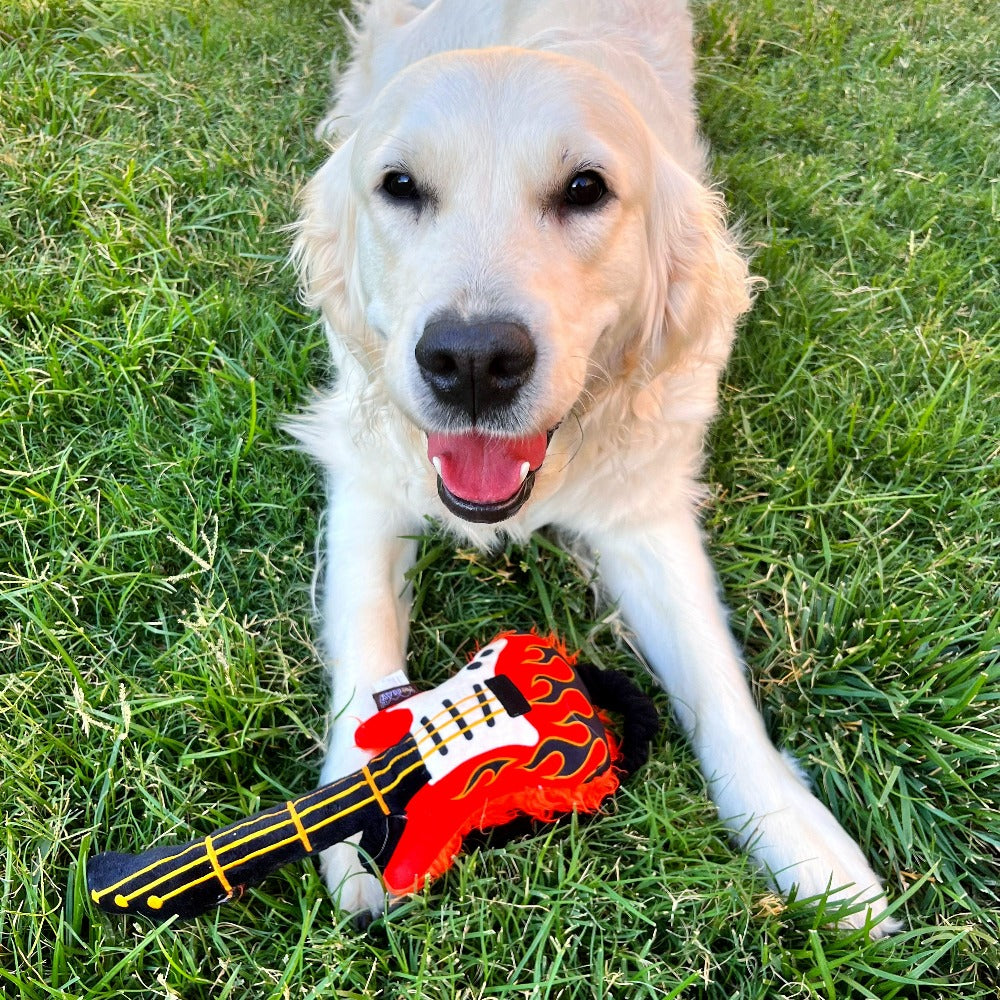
(399, 184)
(585, 189)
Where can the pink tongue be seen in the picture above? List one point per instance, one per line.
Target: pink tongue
(484, 469)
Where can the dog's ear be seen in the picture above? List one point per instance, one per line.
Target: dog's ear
(701, 284)
(325, 253)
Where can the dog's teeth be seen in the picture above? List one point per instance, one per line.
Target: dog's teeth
(436, 462)
(525, 469)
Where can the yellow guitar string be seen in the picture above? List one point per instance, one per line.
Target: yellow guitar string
(219, 873)
(424, 757)
(197, 845)
(323, 803)
(267, 849)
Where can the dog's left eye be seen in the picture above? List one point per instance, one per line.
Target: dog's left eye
(585, 189)
(401, 185)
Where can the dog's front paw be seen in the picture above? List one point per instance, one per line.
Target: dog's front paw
(353, 888)
(803, 848)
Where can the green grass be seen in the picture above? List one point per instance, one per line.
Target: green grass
(157, 670)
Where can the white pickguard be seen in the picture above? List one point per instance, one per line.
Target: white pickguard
(452, 723)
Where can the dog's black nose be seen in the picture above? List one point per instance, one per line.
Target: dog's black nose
(476, 368)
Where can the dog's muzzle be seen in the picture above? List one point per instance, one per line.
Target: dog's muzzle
(476, 372)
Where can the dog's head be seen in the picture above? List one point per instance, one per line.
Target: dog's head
(502, 240)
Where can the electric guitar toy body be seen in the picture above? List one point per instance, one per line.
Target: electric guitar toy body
(512, 733)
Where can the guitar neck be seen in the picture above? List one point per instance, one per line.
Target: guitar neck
(189, 879)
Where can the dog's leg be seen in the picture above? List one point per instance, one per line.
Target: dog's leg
(664, 584)
(365, 622)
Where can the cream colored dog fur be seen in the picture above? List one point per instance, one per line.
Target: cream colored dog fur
(465, 135)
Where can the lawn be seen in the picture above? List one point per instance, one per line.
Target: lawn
(158, 672)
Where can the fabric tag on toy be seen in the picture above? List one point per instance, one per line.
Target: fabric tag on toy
(395, 688)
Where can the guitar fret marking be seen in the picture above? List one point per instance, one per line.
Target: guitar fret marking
(460, 723)
(300, 829)
(434, 735)
(484, 702)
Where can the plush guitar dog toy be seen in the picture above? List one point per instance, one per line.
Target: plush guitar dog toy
(514, 733)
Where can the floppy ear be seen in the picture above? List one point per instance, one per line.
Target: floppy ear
(701, 281)
(325, 255)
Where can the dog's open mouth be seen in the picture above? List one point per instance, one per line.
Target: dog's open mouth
(486, 479)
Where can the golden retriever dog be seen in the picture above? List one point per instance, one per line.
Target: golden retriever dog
(530, 292)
